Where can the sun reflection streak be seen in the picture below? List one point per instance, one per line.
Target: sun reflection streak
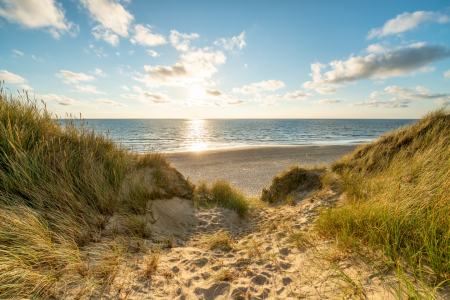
(196, 135)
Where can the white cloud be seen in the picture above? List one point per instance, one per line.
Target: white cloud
(38, 14)
(18, 52)
(125, 87)
(326, 90)
(110, 102)
(88, 89)
(245, 66)
(227, 99)
(181, 41)
(376, 48)
(270, 102)
(101, 32)
(379, 82)
(99, 72)
(236, 102)
(144, 36)
(63, 100)
(10, 77)
(25, 87)
(235, 41)
(153, 53)
(394, 103)
(447, 74)
(407, 21)
(403, 97)
(214, 93)
(191, 68)
(377, 66)
(270, 85)
(328, 101)
(71, 77)
(149, 97)
(113, 18)
(297, 95)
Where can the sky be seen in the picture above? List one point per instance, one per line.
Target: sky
(228, 59)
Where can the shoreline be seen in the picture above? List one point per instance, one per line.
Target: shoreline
(252, 168)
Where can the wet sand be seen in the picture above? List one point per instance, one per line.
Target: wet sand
(253, 168)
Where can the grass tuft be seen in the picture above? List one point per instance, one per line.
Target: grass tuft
(222, 193)
(289, 181)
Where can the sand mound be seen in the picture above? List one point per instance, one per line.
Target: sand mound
(294, 180)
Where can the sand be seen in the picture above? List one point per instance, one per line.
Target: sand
(272, 252)
(253, 168)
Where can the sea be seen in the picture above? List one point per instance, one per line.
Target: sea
(172, 135)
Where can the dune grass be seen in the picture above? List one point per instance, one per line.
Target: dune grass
(58, 184)
(222, 193)
(398, 190)
(289, 181)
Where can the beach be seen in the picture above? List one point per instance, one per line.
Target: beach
(252, 168)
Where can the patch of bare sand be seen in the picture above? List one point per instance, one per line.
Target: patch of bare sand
(271, 255)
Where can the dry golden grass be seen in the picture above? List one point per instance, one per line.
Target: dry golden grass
(222, 240)
(398, 191)
(59, 185)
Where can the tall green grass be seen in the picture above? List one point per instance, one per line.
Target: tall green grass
(398, 190)
(58, 183)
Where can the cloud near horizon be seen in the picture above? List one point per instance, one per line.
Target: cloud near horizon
(87, 89)
(269, 85)
(403, 97)
(110, 102)
(328, 101)
(376, 66)
(71, 77)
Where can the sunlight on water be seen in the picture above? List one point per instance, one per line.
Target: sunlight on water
(195, 134)
(199, 134)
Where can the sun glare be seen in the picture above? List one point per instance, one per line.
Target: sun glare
(196, 92)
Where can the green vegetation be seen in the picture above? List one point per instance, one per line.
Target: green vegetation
(398, 192)
(289, 181)
(58, 186)
(221, 193)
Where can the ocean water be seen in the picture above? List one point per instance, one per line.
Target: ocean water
(143, 135)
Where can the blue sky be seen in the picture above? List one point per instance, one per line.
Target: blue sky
(229, 59)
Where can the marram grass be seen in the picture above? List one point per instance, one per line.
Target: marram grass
(398, 190)
(58, 183)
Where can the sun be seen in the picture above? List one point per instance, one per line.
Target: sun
(196, 92)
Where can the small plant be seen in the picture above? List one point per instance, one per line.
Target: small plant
(137, 225)
(222, 240)
(224, 275)
(151, 264)
(290, 200)
(221, 193)
(300, 240)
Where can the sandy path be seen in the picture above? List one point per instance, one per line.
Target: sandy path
(251, 169)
